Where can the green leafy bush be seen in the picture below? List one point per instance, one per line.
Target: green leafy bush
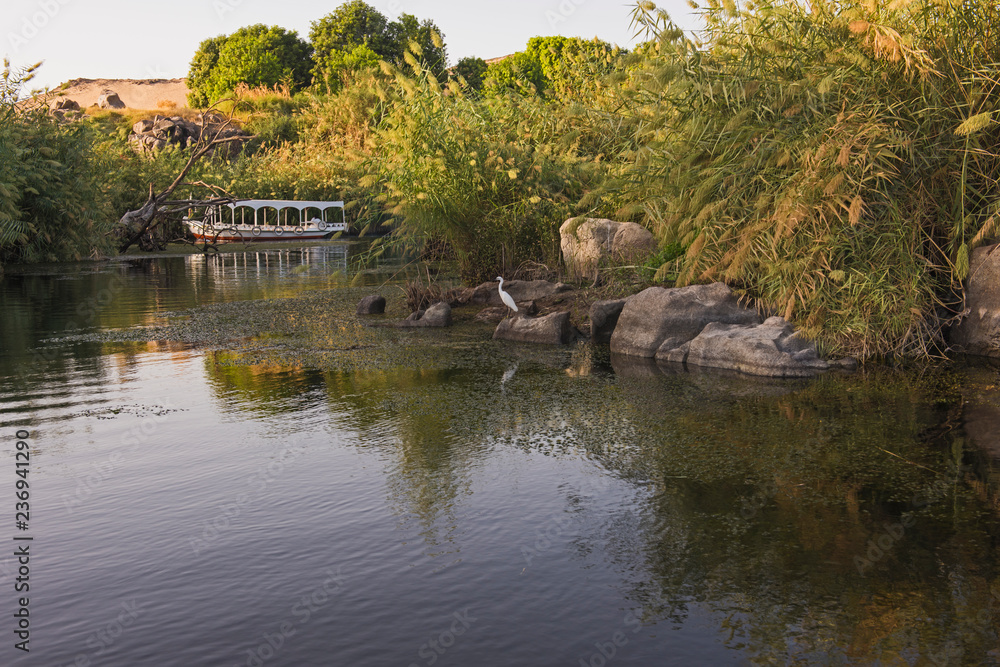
(51, 206)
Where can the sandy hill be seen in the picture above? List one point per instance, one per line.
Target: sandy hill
(135, 93)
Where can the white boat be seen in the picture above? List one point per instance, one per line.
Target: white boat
(251, 220)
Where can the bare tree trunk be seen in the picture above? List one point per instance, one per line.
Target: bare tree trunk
(134, 224)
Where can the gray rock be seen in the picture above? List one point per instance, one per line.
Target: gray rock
(109, 100)
(979, 331)
(553, 329)
(373, 304)
(659, 319)
(142, 126)
(594, 242)
(65, 104)
(522, 291)
(438, 315)
(771, 349)
(603, 319)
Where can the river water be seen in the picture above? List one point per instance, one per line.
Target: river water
(227, 467)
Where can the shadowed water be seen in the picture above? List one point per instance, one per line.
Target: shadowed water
(228, 467)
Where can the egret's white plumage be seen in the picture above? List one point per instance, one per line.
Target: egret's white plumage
(506, 298)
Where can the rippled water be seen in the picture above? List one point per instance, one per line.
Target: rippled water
(228, 468)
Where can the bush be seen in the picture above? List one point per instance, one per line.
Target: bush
(835, 161)
(489, 177)
(51, 207)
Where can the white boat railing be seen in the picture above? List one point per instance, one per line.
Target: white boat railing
(214, 215)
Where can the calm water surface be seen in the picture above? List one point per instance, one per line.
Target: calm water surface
(228, 468)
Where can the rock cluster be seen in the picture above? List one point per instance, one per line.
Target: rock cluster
(63, 107)
(522, 291)
(151, 135)
(658, 319)
(586, 245)
(700, 326)
(705, 325)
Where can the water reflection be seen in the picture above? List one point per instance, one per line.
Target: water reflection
(849, 519)
(819, 520)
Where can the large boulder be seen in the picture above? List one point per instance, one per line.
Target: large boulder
(551, 329)
(669, 317)
(594, 242)
(109, 100)
(373, 304)
(772, 349)
(522, 291)
(604, 318)
(438, 315)
(979, 331)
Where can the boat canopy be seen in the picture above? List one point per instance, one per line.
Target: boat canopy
(257, 204)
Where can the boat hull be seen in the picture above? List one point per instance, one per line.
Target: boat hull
(222, 233)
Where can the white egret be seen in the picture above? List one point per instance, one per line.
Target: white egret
(506, 298)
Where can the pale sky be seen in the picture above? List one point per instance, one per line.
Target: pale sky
(138, 39)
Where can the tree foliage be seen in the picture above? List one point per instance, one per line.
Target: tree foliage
(473, 70)
(256, 55)
(356, 23)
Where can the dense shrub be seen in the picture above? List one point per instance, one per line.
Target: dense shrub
(51, 205)
(836, 161)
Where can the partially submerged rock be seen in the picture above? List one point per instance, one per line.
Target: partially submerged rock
(604, 318)
(979, 331)
(772, 349)
(373, 304)
(553, 329)
(593, 242)
(669, 317)
(438, 315)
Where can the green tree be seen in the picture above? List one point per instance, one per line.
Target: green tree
(570, 64)
(473, 70)
(257, 55)
(521, 72)
(357, 23)
(351, 25)
(202, 65)
(340, 66)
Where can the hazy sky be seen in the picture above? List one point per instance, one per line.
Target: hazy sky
(138, 39)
